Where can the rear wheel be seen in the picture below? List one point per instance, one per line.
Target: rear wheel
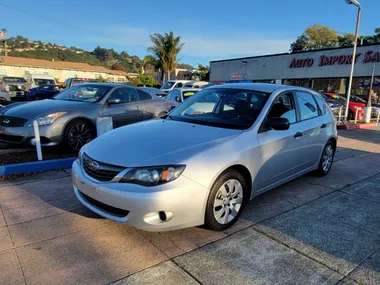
(326, 159)
(226, 201)
(350, 115)
(77, 134)
(36, 98)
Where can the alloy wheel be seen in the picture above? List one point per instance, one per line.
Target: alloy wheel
(78, 136)
(228, 201)
(327, 158)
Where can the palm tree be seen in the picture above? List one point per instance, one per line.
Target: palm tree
(165, 50)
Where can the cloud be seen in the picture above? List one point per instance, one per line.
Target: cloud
(229, 44)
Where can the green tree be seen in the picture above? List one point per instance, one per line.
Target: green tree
(346, 39)
(299, 44)
(319, 36)
(118, 66)
(147, 80)
(204, 72)
(165, 49)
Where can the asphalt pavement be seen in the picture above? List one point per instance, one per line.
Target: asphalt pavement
(310, 231)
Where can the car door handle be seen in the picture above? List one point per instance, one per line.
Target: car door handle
(298, 135)
(323, 126)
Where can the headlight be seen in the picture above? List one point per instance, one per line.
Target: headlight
(49, 119)
(151, 176)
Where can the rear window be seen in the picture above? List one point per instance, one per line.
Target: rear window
(321, 104)
(39, 82)
(143, 95)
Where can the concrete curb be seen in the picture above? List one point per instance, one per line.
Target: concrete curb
(358, 126)
(30, 167)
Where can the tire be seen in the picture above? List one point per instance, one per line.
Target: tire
(36, 98)
(350, 116)
(216, 217)
(77, 133)
(328, 153)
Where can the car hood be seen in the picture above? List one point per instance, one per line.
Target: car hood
(32, 110)
(155, 142)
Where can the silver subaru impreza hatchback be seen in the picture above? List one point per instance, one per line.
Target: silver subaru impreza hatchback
(210, 156)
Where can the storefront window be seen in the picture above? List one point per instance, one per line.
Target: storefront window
(297, 82)
(360, 86)
(334, 85)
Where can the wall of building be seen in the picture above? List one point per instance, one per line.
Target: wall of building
(318, 64)
(61, 74)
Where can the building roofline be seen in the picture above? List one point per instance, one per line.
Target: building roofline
(289, 53)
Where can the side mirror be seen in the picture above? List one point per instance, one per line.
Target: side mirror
(113, 101)
(178, 99)
(278, 124)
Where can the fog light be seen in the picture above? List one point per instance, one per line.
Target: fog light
(156, 218)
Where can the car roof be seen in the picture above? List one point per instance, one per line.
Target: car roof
(262, 87)
(110, 84)
(189, 89)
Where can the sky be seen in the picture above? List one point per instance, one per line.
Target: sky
(210, 29)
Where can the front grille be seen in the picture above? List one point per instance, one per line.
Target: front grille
(16, 88)
(9, 138)
(106, 208)
(7, 121)
(100, 171)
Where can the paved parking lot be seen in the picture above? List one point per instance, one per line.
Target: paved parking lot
(310, 231)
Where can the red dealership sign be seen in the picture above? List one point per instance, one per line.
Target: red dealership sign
(341, 59)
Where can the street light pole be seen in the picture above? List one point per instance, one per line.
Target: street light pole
(368, 108)
(356, 3)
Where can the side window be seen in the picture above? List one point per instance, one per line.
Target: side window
(144, 95)
(50, 87)
(308, 106)
(179, 85)
(321, 103)
(125, 95)
(283, 107)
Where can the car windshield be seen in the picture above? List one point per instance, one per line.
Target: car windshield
(39, 81)
(168, 85)
(13, 80)
(84, 93)
(221, 107)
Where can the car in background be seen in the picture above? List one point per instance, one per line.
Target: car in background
(41, 92)
(375, 106)
(195, 84)
(171, 84)
(252, 138)
(35, 80)
(336, 105)
(12, 88)
(69, 82)
(70, 117)
(178, 95)
(155, 91)
(352, 106)
(209, 85)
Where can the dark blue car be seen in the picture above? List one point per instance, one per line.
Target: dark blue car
(42, 92)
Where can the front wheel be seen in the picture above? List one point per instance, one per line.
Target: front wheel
(226, 201)
(326, 160)
(77, 134)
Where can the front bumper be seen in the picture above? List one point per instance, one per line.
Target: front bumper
(182, 200)
(50, 135)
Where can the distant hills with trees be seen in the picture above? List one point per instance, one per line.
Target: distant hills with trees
(24, 47)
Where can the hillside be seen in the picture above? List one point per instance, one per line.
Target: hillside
(23, 47)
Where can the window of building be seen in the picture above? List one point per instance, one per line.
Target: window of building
(334, 85)
(297, 82)
(361, 85)
(307, 105)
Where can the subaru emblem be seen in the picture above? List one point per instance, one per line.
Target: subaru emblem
(6, 121)
(94, 165)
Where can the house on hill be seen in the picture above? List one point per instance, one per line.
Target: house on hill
(21, 66)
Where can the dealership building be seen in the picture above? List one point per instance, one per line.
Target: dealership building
(325, 70)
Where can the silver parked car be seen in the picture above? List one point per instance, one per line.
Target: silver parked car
(70, 117)
(214, 152)
(178, 95)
